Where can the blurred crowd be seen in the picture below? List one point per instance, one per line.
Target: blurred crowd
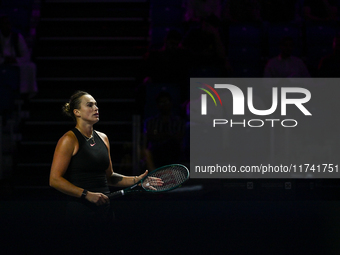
(201, 38)
(17, 71)
(227, 38)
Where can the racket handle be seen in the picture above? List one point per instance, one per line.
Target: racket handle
(116, 194)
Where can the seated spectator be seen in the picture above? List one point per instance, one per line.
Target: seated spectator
(279, 11)
(320, 10)
(198, 10)
(167, 65)
(163, 135)
(206, 51)
(242, 11)
(286, 65)
(14, 51)
(330, 65)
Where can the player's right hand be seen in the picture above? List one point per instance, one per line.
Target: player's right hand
(97, 198)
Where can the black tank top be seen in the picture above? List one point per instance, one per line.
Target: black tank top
(87, 168)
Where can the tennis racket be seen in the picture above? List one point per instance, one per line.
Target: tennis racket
(161, 179)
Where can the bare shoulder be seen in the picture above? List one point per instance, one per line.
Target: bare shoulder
(68, 141)
(69, 136)
(66, 148)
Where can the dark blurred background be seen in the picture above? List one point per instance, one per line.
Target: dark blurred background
(136, 58)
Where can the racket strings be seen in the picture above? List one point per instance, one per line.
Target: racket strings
(171, 176)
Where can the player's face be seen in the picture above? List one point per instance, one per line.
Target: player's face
(89, 110)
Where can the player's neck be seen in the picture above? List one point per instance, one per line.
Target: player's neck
(85, 129)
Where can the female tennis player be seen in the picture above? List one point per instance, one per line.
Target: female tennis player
(82, 166)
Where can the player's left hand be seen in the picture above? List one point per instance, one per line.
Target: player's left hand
(149, 182)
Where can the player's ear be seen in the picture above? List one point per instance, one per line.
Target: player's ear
(76, 112)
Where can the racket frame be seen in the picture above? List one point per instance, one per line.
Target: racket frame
(160, 168)
(123, 192)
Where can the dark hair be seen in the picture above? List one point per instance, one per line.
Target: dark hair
(163, 94)
(337, 36)
(286, 39)
(174, 34)
(3, 18)
(74, 103)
